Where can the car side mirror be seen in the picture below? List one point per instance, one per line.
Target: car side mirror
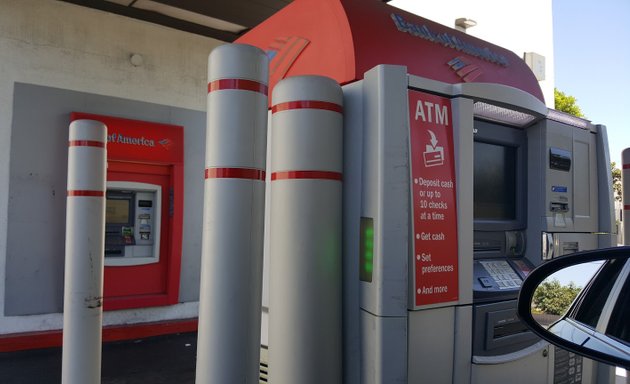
(595, 321)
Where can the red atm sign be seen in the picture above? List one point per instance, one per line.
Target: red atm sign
(434, 208)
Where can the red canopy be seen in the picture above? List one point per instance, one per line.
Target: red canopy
(343, 39)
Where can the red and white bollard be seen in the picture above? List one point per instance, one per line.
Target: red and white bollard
(228, 347)
(85, 247)
(305, 309)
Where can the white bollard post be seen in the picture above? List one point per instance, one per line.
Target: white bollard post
(85, 239)
(625, 186)
(305, 339)
(228, 347)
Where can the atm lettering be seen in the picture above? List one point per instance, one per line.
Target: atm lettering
(430, 112)
(441, 114)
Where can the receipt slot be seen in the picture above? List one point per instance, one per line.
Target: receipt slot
(132, 223)
(144, 212)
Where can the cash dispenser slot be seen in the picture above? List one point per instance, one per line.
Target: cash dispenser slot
(499, 331)
(508, 328)
(504, 328)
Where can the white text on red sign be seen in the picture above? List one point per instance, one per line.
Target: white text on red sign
(430, 112)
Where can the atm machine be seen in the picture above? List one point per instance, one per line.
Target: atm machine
(464, 190)
(143, 212)
(457, 181)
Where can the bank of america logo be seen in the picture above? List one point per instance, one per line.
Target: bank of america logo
(166, 143)
(282, 53)
(466, 71)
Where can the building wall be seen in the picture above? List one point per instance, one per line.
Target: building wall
(520, 26)
(79, 59)
(72, 50)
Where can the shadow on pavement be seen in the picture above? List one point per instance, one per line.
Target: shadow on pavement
(162, 359)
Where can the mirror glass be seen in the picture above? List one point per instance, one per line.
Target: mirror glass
(581, 303)
(555, 294)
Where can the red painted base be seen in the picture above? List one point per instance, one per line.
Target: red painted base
(49, 339)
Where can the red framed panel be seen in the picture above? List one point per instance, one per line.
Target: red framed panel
(434, 209)
(153, 153)
(49, 339)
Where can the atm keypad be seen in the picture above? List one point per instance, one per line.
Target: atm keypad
(502, 274)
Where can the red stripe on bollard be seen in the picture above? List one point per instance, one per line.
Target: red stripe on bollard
(307, 104)
(234, 173)
(321, 175)
(238, 84)
(86, 143)
(77, 193)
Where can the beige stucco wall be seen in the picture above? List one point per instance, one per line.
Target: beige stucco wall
(56, 44)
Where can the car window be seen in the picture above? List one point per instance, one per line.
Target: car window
(590, 306)
(619, 326)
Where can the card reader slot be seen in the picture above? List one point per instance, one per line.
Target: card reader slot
(559, 207)
(487, 249)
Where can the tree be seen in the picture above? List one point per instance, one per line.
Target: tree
(616, 178)
(566, 103)
(553, 298)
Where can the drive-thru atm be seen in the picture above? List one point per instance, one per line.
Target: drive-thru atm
(144, 212)
(457, 181)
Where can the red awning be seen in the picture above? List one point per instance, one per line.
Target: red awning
(343, 39)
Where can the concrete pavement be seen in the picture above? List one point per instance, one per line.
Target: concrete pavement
(160, 360)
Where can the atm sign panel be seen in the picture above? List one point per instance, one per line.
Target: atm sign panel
(434, 222)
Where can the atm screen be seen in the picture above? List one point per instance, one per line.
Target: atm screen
(117, 211)
(494, 182)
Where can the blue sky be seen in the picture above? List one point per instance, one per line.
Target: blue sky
(592, 63)
(579, 274)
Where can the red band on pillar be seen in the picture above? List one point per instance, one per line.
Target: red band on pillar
(626, 166)
(78, 192)
(321, 175)
(239, 84)
(235, 173)
(86, 143)
(307, 104)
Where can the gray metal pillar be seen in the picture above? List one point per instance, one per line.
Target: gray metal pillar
(305, 232)
(85, 246)
(228, 348)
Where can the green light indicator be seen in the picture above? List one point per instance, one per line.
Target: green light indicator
(366, 251)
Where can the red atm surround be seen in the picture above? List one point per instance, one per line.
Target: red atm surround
(147, 152)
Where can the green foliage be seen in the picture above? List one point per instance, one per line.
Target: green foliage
(553, 298)
(566, 103)
(616, 179)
